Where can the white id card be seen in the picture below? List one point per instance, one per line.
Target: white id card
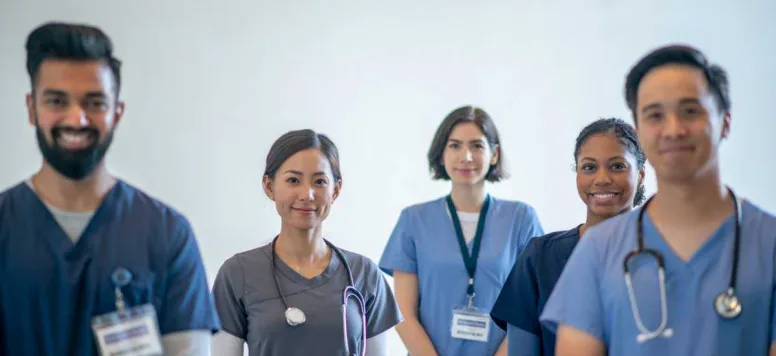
(132, 332)
(470, 324)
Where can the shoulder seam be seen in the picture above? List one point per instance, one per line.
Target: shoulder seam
(242, 275)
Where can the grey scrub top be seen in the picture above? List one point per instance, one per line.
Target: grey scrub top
(250, 307)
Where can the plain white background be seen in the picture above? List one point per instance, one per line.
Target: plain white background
(209, 85)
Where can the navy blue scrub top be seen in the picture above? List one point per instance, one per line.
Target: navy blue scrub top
(530, 284)
(50, 288)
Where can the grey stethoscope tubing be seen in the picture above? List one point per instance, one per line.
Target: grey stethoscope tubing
(726, 304)
(295, 316)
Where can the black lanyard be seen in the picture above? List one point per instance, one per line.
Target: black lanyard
(470, 261)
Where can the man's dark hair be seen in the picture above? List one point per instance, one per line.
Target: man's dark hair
(464, 114)
(683, 55)
(68, 41)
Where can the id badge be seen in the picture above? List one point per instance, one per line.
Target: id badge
(130, 332)
(470, 324)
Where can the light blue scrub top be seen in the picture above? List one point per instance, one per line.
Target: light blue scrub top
(424, 242)
(591, 294)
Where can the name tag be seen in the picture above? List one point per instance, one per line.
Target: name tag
(133, 332)
(470, 324)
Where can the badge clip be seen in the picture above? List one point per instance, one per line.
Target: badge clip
(121, 277)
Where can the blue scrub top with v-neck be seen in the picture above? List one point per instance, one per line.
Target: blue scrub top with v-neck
(50, 288)
(424, 242)
(591, 294)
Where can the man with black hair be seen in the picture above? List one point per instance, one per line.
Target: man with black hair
(90, 264)
(691, 272)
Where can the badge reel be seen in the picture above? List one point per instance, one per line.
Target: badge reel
(127, 331)
(470, 323)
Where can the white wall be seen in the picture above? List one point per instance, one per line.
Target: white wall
(212, 84)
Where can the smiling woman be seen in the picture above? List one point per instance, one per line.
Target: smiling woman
(610, 171)
(311, 277)
(303, 178)
(455, 251)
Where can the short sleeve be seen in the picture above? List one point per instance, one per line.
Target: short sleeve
(522, 343)
(576, 298)
(187, 303)
(381, 308)
(227, 291)
(528, 228)
(517, 304)
(399, 253)
(773, 307)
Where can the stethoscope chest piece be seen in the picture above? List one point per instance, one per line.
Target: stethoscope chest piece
(295, 316)
(727, 305)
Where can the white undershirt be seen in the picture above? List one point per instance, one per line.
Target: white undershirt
(468, 224)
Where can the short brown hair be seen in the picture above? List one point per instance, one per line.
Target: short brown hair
(461, 115)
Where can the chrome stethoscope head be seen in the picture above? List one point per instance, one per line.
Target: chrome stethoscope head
(727, 304)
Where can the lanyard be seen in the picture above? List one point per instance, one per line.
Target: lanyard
(470, 261)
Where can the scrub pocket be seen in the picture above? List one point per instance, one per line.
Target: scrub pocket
(140, 289)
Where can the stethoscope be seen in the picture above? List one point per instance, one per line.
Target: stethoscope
(727, 305)
(295, 316)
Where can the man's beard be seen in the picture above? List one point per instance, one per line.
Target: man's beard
(73, 164)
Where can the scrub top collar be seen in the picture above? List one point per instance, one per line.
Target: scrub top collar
(319, 280)
(60, 242)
